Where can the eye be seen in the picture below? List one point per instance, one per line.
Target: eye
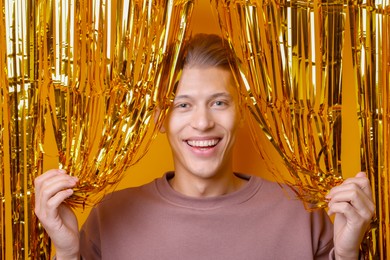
(220, 103)
(182, 105)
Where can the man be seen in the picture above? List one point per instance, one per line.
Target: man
(203, 210)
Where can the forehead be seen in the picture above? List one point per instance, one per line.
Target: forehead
(206, 80)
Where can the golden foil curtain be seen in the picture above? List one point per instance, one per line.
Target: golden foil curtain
(94, 72)
(370, 33)
(290, 64)
(20, 114)
(290, 57)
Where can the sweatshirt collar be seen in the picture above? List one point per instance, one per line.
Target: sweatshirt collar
(239, 196)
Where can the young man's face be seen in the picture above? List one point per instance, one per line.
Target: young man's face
(203, 121)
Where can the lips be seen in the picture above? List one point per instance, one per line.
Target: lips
(203, 143)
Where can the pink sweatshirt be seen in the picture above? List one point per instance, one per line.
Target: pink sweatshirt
(155, 222)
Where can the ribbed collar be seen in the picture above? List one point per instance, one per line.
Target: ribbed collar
(247, 191)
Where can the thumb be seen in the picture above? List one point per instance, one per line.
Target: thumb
(361, 175)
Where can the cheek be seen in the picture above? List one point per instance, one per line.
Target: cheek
(174, 124)
(231, 125)
(233, 120)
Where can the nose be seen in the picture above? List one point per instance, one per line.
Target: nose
(202, 119)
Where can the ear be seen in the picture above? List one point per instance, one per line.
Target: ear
(157, 117)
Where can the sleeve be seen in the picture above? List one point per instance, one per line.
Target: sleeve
(90, 247)
(332, 255)
(322, 235)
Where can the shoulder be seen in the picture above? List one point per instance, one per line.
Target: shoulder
(282, 202)
(274, 191)
(282, 196)
(126, 197)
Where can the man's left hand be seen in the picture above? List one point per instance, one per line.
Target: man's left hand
(353, 206)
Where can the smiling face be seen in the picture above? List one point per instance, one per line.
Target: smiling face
(202, 123)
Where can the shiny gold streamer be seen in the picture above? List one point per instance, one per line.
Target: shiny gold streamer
(105, 82)
(370, 27)
(20, 134)
(289, 55)
(290, 63)
(94, 71)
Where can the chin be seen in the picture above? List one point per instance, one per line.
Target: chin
(205, 173)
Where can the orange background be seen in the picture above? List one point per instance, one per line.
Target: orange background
(159, 160)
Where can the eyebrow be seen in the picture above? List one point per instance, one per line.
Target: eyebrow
(216, 95)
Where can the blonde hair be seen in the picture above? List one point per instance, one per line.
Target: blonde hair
(207, 50)
(201, 51)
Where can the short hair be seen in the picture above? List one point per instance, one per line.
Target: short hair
(207, 50)
(210, 50)
(200, 51)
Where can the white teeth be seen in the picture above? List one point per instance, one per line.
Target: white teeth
(203, 143)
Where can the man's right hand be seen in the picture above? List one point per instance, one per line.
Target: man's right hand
(59, 221)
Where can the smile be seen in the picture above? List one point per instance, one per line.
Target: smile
(203, 143)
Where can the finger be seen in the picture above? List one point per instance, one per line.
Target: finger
(361, 175)
(54, 202)
(344, 208)
(54, 185)
(44, 177)
(357, 199)
(51, 186)
(362, 181)
(52, 217)
(352, 217)
(50, 208)
(39, 182)
(51, 198)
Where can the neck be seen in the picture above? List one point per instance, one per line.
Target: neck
(206, 187)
